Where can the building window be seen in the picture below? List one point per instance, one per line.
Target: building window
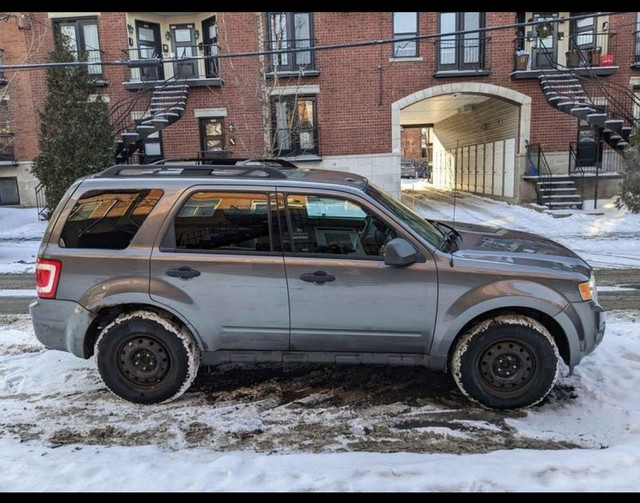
(2, 79)
(405, 27)
(82, 36)
(461, 51)
(584, 33)
(294, 125)
(212, 140)
(637, 58)
(288, 33)
(6, 136)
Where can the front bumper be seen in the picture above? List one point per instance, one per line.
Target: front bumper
(584, 324)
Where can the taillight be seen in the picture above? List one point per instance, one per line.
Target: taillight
(47, 276)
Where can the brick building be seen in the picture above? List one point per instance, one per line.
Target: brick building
(496, 102)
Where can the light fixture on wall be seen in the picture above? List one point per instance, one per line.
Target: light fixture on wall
(167, 35)
(196, 34)
(232, 128)
(130, 28)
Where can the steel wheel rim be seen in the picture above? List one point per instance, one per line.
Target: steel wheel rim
(143, 360)
(506, 366)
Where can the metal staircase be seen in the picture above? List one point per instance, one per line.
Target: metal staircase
(167, 105)
(564, 92)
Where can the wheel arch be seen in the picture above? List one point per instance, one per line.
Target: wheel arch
(109, 313)
(555, 329)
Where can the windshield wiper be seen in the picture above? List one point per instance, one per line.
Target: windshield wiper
(450, 237)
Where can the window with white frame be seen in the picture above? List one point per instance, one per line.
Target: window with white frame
(405, 30)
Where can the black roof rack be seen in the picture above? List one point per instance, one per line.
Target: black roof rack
(210, 167)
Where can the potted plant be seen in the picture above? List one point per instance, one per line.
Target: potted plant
(522, 59)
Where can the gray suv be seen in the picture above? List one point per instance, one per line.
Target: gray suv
(156, 270)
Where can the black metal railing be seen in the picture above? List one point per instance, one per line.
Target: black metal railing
(537, 165)
(582, 49)
(199, 61)
(291, 55)
(296, 141)
(7, 152)
(41, 203)
(463, 54)
(587, 157)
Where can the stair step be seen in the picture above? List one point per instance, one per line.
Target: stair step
(597, 119)
(581, 112)
(614, 125)
(626, 132)
(129, 137)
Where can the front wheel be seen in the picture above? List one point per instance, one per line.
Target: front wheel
(508, 362)
(145, 358)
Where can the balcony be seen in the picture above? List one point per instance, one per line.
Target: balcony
(196, 66)
(7, 156)
(588, 53)
(463, 57)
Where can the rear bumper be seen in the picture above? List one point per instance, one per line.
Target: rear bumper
(61, 324)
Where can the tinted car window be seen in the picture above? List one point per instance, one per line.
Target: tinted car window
(238, 221)
(333, 225)
(107, 219)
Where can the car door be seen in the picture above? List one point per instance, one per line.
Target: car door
(220, 267)
(342, 295)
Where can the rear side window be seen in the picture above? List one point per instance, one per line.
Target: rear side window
(108, 219)
(226, 221)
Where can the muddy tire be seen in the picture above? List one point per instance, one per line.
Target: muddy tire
(145, 358)
(509, 362)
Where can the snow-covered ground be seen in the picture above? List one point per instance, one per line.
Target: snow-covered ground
(596, 429)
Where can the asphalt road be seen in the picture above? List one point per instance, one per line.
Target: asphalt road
(617, 289)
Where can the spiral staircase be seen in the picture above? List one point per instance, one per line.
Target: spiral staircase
(167, 106)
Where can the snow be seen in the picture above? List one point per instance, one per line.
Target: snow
(603, 418)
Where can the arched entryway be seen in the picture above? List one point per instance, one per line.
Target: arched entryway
(479, 134)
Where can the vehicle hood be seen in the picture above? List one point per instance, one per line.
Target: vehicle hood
(516, 247)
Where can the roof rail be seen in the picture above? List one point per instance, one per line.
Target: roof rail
(228, 169)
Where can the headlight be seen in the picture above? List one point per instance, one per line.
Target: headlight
(588, 289)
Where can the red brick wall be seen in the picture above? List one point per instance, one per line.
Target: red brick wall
(357, 84)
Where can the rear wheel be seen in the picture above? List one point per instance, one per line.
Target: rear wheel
(145, 358)
(508, 362)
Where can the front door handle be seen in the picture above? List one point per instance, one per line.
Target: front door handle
(317, 277)
(182, 272)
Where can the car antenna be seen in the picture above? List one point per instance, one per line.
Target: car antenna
(455, 190)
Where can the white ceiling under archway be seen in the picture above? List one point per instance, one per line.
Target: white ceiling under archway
(438, 108)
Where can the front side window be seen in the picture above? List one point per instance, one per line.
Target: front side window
(461, 48)
(82, 37)
(226, 221)
(107, 219)
(289, 34)
(405, 28)
(294, 126)
(331, 225)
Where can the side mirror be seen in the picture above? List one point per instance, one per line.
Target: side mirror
(399, 251)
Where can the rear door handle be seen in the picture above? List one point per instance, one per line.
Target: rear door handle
(182, 272)
(317, 277)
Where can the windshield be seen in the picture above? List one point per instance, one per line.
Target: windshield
(423, 228)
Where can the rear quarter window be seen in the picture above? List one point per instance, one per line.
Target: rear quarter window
(107, 219)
